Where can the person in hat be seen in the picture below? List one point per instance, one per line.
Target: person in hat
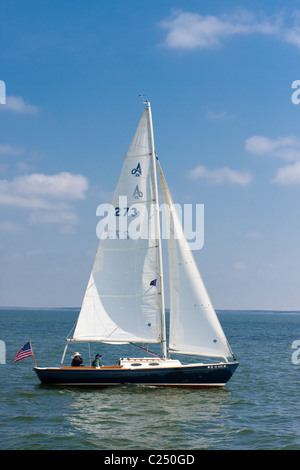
(76, 360)
(97, 361)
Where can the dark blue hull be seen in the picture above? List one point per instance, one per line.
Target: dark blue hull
(194, 376)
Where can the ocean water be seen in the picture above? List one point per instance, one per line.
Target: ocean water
(257, 409)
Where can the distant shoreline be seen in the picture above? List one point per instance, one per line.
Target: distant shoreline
(72, 309)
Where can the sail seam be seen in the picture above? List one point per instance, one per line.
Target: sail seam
(141, 155)
(130, 249)
(129, 295)
(143, 201)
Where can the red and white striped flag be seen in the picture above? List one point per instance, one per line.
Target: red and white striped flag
(26, 351)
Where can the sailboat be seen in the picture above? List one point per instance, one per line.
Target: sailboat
(125, 297)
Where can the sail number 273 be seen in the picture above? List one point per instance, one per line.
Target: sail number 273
(130, 211)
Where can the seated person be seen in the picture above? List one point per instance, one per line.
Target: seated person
(97, 361)
(76, 360)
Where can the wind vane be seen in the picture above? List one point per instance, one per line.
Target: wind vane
(143, 98)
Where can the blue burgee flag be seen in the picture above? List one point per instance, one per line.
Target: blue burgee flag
(153, 283)
(26, 351)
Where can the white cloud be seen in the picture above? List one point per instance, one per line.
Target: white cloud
(17, 104)
(30, 202)
(9, 226)
(222, 115)
(187, 30)
(253, 235)
(39, 190)
(24, 167)
(6, 149)
(287, 175)
(221, 175)
(239, 266)
(293, 36)
(46, 196)
(63, 185)
(66, 217)
(286, 148)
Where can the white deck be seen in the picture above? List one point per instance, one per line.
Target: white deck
(145, 362)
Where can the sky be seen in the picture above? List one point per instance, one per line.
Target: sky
(219, 76)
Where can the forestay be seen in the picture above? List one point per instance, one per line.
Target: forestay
(122, 300)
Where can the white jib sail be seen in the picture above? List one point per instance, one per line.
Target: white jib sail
(122, 300)
(194, 325)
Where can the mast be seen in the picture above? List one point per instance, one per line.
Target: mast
(163, 316)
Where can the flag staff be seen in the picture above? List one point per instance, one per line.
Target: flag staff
(32, 353)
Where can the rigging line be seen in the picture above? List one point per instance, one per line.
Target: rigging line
(128, 249)
(72, 330)
(145, 350)
(134, 155)
(114, 201)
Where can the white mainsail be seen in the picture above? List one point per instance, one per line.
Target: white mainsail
(122, 299)
(194, 326)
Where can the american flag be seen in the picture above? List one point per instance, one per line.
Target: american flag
(26, 351)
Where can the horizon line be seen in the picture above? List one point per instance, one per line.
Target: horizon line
(216, 309)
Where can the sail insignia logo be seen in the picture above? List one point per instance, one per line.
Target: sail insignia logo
(2, 92)
(137, 193)
(137, 171)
